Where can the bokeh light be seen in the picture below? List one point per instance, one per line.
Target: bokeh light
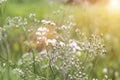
(114, 5)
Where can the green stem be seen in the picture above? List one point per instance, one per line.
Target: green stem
(7, 55)
(49, 60)
(33, 51)
(2, 14)
(6, 51)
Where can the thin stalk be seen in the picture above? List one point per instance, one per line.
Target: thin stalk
(85, 59)
(94, 62)
(1, 21)
(7, 55)
(2, 14)
(33, 51)
(63, 69)
(3, 49)
(50, 65)
(51, 70)
(6, 51)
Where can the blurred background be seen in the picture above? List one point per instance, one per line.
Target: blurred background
(91, 16)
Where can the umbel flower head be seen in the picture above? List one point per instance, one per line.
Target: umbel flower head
(46, 36)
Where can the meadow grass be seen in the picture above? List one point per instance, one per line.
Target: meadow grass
(21, 59)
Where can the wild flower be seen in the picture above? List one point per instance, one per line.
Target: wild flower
(94, 79)
(42, 31)
(32, 15)
(73, 45)
(63, 27)
(51, 41)
(62, 44)
(18, 71)
(46, 35)
(105, 70)
(48, 22)
(55, 54)
(16, 22)
(41, 34)
(94, 45)
(77, 30)
(78, 53)
(106, 77)
(117, 75)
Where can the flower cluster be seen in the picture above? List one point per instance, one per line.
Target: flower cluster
(48, 22)
(17, 22)
(33, 18)
(94, 46)
(73, 45)
(64, 55)
(41, 33)
(55, 50)
(46, 35)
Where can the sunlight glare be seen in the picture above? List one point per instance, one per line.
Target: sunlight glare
(114, 4)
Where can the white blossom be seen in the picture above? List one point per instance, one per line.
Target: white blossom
(105, 70)
(46, 22)
(51, 41)
(62, 44)
(32, 15)
(73, 44)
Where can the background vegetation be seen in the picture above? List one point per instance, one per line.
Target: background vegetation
(92, 18)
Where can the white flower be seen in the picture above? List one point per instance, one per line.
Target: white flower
(38, 33)
(64, 27)
(53, 24)
(32, 15)
(18, 71)
(41, 33)
(116, 74)
(73, 44)
(51, 41)
(77, 30)
(105, 70)
(43, 29)
(95, 79)
(78, 53)
(45, 21)
(43, 52)
(48, 22)
(41, 38)
(62, 44)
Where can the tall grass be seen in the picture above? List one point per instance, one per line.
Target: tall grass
(58, 45)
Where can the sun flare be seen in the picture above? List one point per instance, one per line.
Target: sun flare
(114, 4)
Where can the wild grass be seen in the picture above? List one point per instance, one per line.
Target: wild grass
(59, 42)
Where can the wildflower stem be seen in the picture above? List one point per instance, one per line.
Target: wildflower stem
(50, 65)
(7, 55)
(33, 54)
(33, 51)
(51, 70)
(2, 14)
